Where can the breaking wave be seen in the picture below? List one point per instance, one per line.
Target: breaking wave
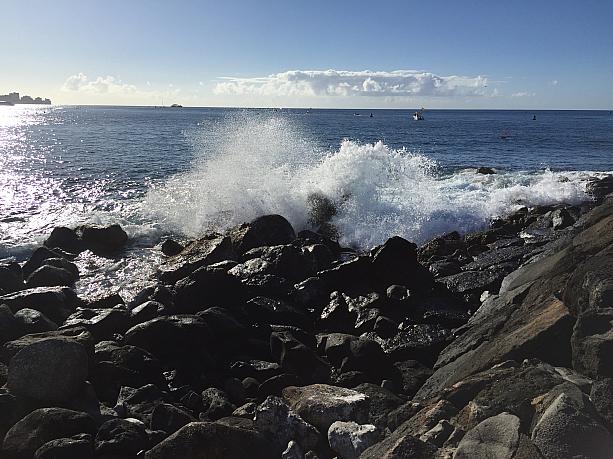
(254, 165)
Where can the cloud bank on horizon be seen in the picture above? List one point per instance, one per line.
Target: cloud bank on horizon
(314, 83)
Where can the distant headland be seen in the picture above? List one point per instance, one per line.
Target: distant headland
(13, 99)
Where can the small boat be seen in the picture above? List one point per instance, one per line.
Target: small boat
(417, 116)
(176, 106)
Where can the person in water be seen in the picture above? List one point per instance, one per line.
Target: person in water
(533, 117)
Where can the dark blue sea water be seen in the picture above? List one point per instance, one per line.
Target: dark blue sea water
(186, 171)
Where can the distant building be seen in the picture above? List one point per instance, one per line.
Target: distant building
(13, 98)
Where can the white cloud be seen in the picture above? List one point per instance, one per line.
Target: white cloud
(523, 94)
(554, 82)
(313, 83)
(101, 85)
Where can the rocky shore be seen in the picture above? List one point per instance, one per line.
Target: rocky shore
(264, 343)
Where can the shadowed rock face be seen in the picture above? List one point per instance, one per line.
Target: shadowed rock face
(534, 314)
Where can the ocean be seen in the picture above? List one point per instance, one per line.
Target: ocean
(183, 172)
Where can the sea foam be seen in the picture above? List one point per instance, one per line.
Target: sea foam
(254, 165)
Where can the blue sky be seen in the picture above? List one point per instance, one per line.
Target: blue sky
(453, 54)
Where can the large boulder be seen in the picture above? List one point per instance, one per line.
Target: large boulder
(395, 262)
(169, 418)
(263, 231)
(11, 277)
(56, 303)
(31, 321)
(102, 323)
(118, 437)
(41, 426)
(399, 446)
(570, 427)
(79, 446)
(65, 239)
(171, 338)
(76, 334)
(321, 404)
(212, 441)
(50, 276)
(50, 371)
(102, 240)
(203, 252)
(350, 439)
(497, 437)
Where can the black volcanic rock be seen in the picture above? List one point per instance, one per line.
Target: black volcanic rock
(65, 239)
(267, 230)
(51, 370)
(42, 426)
(102, 240)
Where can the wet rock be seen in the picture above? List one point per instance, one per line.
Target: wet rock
(50, 371)
(293, 451)
(286, 261)
(37, 259)
(56, 303)
(321, 404)
(561, 218)
(102, 240)
(599, 188)
(395, 262)
(568, 428)
(170, 248)
(50, 276)
(41, 426)
(8, 325)
(419, 341)
(485, 170)
(31, 321)
(350, 439)
(101, 323)
(348, 276)
(592, 343)
(118, 437)
(65, 239)
(385, 327)
(203, 252)
(261, 310)
(497, 436)
(67, 448)
(208, 286)
(246, 411)
(75, 334)
(147, 311)
(275, 419)
(216, 404)
(213, 441)
(267, 230)
(11, 277)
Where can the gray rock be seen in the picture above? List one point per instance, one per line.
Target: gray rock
(102, 240)
(350, 439)
(56, 303)
(497, 437)
(399, 446)
(276, 419)
(567, 428)
(592, 343)
(438, 434)
(41, 426)
(51, 370)
(321, 404)
(601, 396)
